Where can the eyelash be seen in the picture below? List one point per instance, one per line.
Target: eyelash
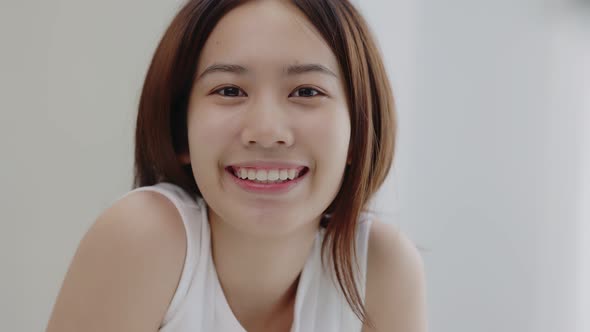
(318, 92)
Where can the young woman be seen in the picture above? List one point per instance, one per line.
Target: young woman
(264, 128)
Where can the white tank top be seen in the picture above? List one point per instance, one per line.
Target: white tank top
(199, 304)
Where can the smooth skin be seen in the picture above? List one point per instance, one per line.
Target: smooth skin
(126, 269)
(267, 104)
(128, 265)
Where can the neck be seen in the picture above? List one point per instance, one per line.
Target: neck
(260, 276)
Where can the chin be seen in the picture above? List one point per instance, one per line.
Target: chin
(268, 221)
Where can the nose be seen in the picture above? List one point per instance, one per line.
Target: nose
(266, 125)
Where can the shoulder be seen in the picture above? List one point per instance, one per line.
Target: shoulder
(388, 244)
(395, 293)
(129, 261)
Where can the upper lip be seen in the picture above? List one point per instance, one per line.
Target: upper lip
(259, 164)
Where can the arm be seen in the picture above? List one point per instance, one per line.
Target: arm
(125, 270)
(396, 294)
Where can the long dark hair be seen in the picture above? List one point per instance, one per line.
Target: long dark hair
(161, 132)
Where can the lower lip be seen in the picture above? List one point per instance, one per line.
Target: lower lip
(266, 188)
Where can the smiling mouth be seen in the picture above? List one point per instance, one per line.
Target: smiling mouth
(262, 176)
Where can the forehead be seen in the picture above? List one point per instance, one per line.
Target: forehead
(266, 34)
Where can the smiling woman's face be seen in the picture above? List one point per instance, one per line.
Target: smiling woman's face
(268, 101)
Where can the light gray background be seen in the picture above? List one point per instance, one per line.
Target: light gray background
(492, 170)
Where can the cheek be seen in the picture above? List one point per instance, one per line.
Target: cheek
(329, 134)
(204, 123)
(208, 133)
(330, 140)
(327, 138)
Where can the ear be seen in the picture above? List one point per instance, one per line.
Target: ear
(184, 158)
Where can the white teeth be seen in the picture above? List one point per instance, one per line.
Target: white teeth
(264, 175)
(283, 174)
(273, 174)
(261, 175)
(251, 174)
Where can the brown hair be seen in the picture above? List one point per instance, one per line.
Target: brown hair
(161, 132)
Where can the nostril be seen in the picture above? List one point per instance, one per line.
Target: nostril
(268, 144)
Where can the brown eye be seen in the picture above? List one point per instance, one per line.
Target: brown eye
(230, 91)
(306, 92)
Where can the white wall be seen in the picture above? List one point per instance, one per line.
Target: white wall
(70, 76)
(489, 169)
(488, 173)
(584, 234)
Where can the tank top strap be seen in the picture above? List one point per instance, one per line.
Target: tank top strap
(191, 210)
(363, 228)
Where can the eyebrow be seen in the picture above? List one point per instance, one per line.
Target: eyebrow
(309, 68)
(290, 70)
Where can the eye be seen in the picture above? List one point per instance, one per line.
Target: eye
(307, 92)
(230, 91)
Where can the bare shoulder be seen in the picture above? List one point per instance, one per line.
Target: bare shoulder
(395, 293)
(125, 270)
